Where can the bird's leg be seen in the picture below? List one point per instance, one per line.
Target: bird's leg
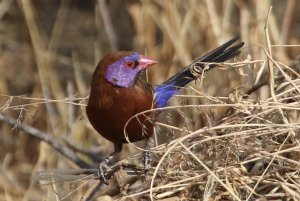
(103, 164)
(146, 155)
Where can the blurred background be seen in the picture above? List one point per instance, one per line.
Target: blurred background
(49, 50)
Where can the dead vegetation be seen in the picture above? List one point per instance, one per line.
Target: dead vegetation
(232, 135)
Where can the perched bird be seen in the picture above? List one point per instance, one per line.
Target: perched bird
(117, 93)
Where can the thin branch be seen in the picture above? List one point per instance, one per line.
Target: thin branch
(112, 38)
(46, 138)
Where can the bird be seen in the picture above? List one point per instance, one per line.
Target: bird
(118, 93)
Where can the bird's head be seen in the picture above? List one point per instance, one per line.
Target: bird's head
(123, 67)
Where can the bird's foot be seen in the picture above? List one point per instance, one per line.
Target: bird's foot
(146, 158)
(102, 168)
(146, 155)
(102, 171)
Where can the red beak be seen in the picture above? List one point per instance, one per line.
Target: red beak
(145, 62)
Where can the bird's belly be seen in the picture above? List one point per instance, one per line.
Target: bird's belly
(115, 124)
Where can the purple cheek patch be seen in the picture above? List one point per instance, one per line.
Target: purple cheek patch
(120, 75)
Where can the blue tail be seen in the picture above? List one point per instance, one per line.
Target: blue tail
(166, 90)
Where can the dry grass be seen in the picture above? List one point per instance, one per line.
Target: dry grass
(225, 145)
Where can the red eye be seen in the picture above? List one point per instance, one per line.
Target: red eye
(129, 64)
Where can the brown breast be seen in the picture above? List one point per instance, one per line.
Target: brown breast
(110, 107)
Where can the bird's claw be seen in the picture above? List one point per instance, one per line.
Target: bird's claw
(146, 157)
(102, 171)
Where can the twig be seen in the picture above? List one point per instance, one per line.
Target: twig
(108, 25)
(269, 50)
(93, 192)
(4, 6)
(71, 109)
(71, 175)
(288, 18)
(46, 138)
(94, 154)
